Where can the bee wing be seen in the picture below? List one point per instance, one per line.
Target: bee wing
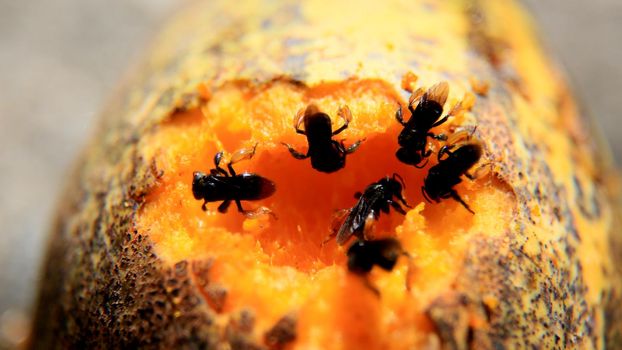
(355, 221)
(367, 204)
(463, 106)
(345, 230)
(299, 117)
(344, 113)
(459, 137)
(243, 154)
(338, 222)
(416, 96)
(438, 93)
(358, 217)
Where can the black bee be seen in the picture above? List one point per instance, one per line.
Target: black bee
(413, 139)
(222, 186)
(384, 253)
(363, 255)
(327, 155)
(377, 197)
(446, 174)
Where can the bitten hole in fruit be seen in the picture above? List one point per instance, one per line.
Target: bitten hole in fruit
(276, 266)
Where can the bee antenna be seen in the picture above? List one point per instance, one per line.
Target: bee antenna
(399, 178)
(473, 131)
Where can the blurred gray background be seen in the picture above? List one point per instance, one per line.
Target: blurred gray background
(60, 59)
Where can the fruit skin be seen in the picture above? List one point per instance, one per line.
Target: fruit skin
(551, 281)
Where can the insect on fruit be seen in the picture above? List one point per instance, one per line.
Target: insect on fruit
(327, 155)
(384, 253)
(377, 197)
(413, 139)
(441, 179)
(220, 185)
(363, 255)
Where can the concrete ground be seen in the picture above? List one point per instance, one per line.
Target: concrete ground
(60, 59)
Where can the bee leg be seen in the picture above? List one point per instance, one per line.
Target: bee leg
(252, 214)
(456, 197)
(400, 196)
(424, 155)
(239, 205)
(440, 122)
(218, 158)
(295, 153)
(346, 115)
(204, 205)
(410, 270)
(222, 208)
(371, 287)
(444, 150)
(419, 165)
(353, 147)
(218, 169)
(399, 178)
(399, 117)
(425, 195)
(398, 208)
(441, 137)
(480, 172)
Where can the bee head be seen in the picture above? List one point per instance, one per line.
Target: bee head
(199, 181)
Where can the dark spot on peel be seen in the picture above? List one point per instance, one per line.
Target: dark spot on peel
(470, 337)
(200, 270)
(538, 193)
(246, 321)
(180, 268)
(283, 332)
(216, 296)
(590, 208)
(239, 329)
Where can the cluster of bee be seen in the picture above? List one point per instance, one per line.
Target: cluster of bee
(454, 159)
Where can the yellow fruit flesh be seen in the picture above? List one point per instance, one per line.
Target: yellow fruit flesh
(274, 267)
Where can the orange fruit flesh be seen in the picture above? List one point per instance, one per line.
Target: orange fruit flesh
(273, 267)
